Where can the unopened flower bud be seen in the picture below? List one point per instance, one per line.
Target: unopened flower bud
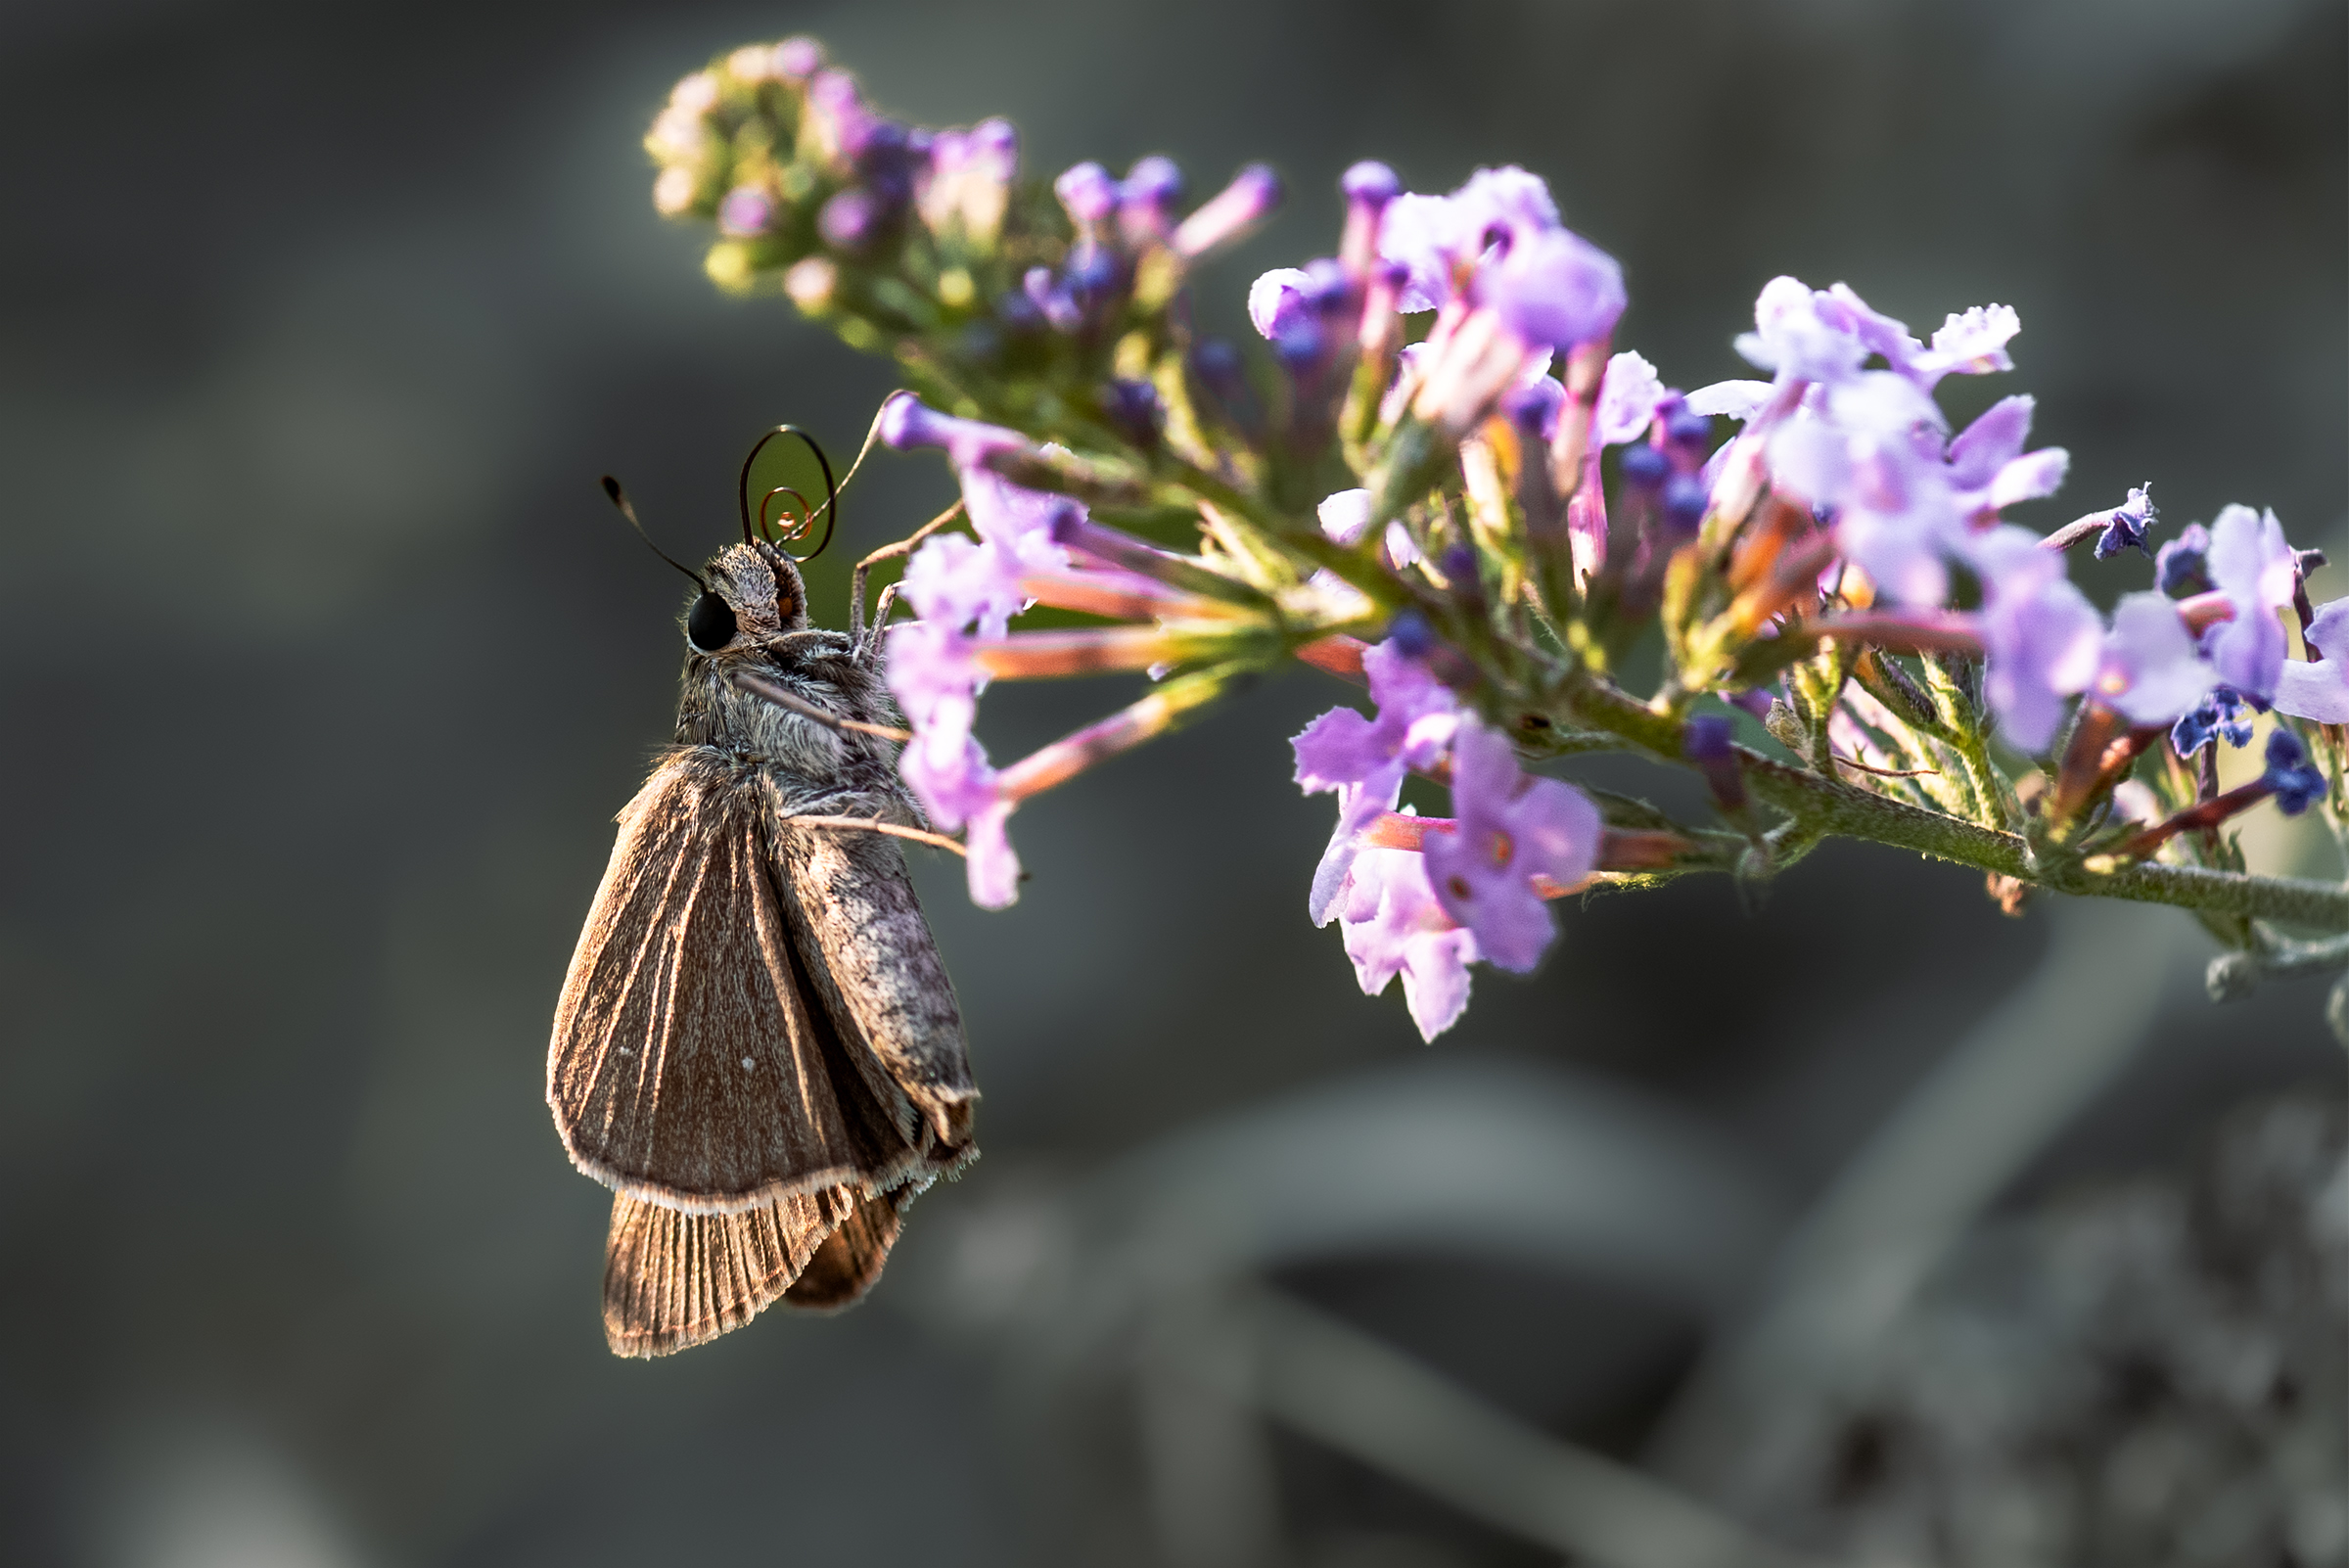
(673, 191)
(1147, 200)
(1088, 194)
(812, 284)
(2295, 783)
(1369, 186)
(907, 422)
(745, 212)
(1232, 212)
(1685, 502)
(797, 59)
(1645, 468)
(850, 222)
(752, 64)
(1132, 407)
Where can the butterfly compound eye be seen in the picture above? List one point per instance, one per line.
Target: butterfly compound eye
(710, 623)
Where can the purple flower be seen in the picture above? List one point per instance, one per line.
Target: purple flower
(1802, 333)
(1989, 468)
(1554, 289)
(2251, 564)
(959, 790)
(933, 677)
(1869, 447)
(2320, 690)
(1551, 286)
(1088, 194)
(852, 219)
(1276, 299)
(1511, 828)
(975, 585)
(1417, 717)
(1365, 760)
(2183, 567)
(1393, 926)
(1345, 515)
(907, 422)
(746, 212)
(1147, 200)
(2296, 785)
(1627, 396)
(1825, 335)
(1740, 400)
(992, 868)
(2125, 525)
(2039, 632)
(1230, 213)
(2151, 670)
(966, 179)
(955, 581)
(2221, 714)
(797, 59)
(1369, 187)
(1969, 343)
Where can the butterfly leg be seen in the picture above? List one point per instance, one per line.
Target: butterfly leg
(887, 552)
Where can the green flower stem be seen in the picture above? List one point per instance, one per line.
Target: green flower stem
(1825, 806)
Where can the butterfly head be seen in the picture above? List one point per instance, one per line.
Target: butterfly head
(753, 592)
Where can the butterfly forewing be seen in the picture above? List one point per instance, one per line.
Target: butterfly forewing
(687, 1066)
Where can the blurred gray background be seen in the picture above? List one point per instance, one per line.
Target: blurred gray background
(325, 667)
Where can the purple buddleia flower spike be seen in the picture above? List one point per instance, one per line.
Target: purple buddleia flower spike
(2296, 784)
(2251, 564)
(1509, 828)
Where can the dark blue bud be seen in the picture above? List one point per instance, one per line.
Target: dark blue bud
(2181, 569)
(2296, 784)
(1132, 407)
(1706, 739)
(1410, 634)
(1690, 433)
(2221, 714)
(1371, 182)
(1645, 467)
(1685, 502)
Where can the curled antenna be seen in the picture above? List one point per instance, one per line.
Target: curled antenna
(830, 509)
(620, 498)
(799, 525)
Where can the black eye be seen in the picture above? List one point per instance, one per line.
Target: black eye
(710, 623)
